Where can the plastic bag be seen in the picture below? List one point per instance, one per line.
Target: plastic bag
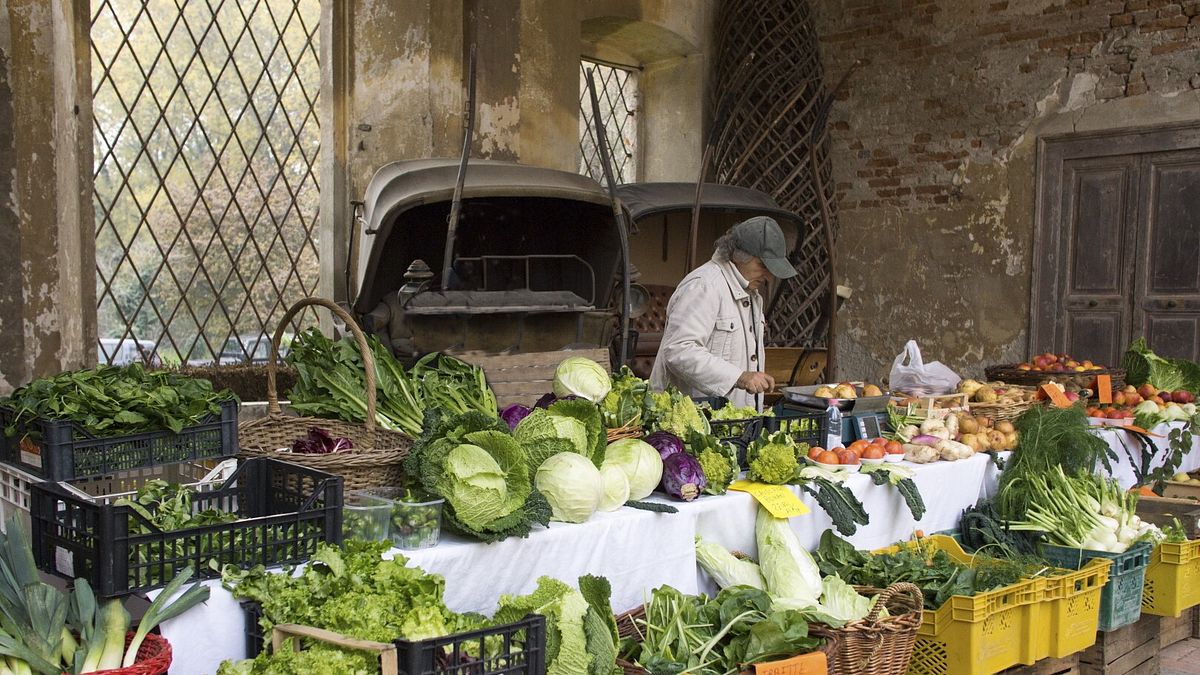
(919, 378)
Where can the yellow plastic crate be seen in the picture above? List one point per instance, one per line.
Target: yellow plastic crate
(1069, 614)
(981, 634)
(1172, 579)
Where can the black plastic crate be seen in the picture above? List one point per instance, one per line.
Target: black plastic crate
(284, 511)
(60, 450)
(803, 426)
(522, 648)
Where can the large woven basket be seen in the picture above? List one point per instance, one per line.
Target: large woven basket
(1032, 378)
(153, 657)
(627, 628)
(378, 454)
(1007, 410)
(874, 645)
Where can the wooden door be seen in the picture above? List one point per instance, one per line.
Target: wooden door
(1167, 299)
(1116, 244)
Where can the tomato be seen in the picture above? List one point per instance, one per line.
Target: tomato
(848, 457)
(879, 441)
(827, 457)
(858, 446)
(814, 451)
(873, 452)
(894, 448)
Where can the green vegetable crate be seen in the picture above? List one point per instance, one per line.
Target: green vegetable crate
(518, 648)
(1121, 599)
(283, 512)
(979, 634)
(60, 450)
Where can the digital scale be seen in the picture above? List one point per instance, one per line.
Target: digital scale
(857, 418)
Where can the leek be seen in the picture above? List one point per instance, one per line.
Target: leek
(110, 633)
(163, 608)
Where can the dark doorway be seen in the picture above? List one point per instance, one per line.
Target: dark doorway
(1117, 243)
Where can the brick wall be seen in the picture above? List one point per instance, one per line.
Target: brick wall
(934, 140)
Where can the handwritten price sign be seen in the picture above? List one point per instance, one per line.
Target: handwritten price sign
(779, 500)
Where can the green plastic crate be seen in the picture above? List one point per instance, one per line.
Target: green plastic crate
(1121, 600)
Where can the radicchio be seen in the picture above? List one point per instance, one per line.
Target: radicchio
(320, 442)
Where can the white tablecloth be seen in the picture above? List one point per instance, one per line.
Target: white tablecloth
(637, 550)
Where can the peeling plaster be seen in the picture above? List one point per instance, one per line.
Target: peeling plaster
(500, 128)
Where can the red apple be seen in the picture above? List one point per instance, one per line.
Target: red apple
(1057, 367)
(1146, 391)
(1119, 398)
(1132, 399)
(1166, 396)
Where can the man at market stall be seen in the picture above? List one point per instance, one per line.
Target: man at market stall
(713, 341)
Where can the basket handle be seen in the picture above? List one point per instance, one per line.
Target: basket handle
(365, 349)
(892, 591)
(389, 663)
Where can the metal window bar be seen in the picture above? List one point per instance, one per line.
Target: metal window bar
(206, 143)
(617, 89)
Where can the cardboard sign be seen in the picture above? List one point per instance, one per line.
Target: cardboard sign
(1057, 397)
(1140, 430)
(1104, 388)
(805, 664)
(778, 499)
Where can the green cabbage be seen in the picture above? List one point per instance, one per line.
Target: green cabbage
(840, 601)
(615, 486)
(572, 485)
(543, 434)
(577, 376)
(641, 463)
(789, 570)
(725, 568)
(481, 471)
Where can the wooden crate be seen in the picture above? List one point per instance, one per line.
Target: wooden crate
(1132, 650)
(1175, 629)
(1162, 511)
(1065, 666)
(524, 378)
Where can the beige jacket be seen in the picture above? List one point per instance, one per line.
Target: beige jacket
(714, 333)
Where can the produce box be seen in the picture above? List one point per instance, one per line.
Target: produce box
(524, 377)
(1163, 511)
(1172, 579)
(365, 517)
(1190, 489)
(283, 511)
(59, 450)
(513, 649)
(1121, 600)
(14, 493)
(1068, 665)
(1124, 651)
(980, 634)
(1070, 612)
(415, 522)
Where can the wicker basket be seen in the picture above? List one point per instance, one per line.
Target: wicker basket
(631, 430)
(1007, 410)
(153, 657)
(627, 628)
(875, 646)
(378, 454)
(1032, 378)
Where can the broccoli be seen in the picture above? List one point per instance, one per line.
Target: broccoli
(772, 459)
(718, 460)
(718, 471)
(682, 416)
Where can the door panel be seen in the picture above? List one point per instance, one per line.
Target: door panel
(1095, 292)
(1117, 243)
(1167, 297)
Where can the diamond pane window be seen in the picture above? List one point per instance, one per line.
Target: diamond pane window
(617, 91)
(206, 148)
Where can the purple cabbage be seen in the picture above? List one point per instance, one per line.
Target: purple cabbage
(682, 477)
(513, 414)
(665, 442)
(320, 442)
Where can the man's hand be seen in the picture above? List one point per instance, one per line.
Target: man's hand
(755, 383)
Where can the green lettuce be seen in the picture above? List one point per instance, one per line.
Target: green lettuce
(581, 634)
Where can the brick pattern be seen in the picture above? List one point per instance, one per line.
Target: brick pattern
(944, 82)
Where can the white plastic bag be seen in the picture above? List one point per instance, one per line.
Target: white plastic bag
(919, 378)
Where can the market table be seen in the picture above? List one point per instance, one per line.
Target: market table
(634, 549)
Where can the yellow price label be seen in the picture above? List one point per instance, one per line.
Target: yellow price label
(779, 500)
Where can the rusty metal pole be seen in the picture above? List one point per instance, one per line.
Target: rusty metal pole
(456, 204)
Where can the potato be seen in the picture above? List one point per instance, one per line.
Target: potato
(985, 443)
(968, 425)
(872, 390)
(969, 387)
(970, 440)
(985, 394)
(997, 440)
(825, 392)
(984, 422)
(1004, 427)
(1010, 441)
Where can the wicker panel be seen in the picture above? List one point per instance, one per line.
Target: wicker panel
(773, 138)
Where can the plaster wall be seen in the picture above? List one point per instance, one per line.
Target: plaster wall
(935, 145)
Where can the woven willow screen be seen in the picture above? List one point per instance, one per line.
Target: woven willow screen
(772, 138)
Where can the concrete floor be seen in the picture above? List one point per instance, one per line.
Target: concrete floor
(1181, 658)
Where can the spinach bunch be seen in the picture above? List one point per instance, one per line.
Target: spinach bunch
(117, 401)
(167, 507)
